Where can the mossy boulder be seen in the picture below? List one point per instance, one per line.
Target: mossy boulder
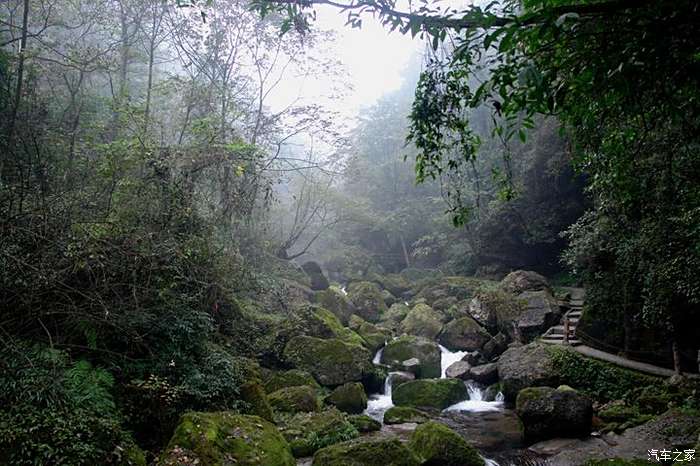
(527, 366)
(331, 362)
(497, 310)
(404, 414)
(373, 379)
(367, 299)
(318, 322)
(437, 444)
(395, 283)
(350, 398)
(318, 280)
(457, 287)
(374, 336)
(408, 347)
(394, 316)
(524, 280)
(291, 378)
(363, 423)
(308, 432)
(430, 393)
(464, 334)
(130, 454)
(295, 399)
(337, 302)
(254, 395)
(548, 413)
(380, 452)
(221, 438)
(541, 312)
(423, 321)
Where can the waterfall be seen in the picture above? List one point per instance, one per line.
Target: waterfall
(343, 290)
(476, 402)
(378, 356)
(447, 358)
(489, 462)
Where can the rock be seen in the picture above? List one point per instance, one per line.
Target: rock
(331, 362)
(380, 452)
(131, 455)
(254, 395)
(404, 414)
(394, 316)
(541, 312)
(406, 347)
(291, 378)
(474, 358)
(318, 280)
(483, 313)
(524, 280)
(316, 321)
(398, 378)
(375, 337)
(464, 334)
(492, 391)
(295, 294)
(437, 444)
(295, 399)
(422, 321)
(457, 287)
(363, 423)
(335, 301)
(485, 374)
(492, 431)
(373, 379)
(498, 311)
(389, 299)
(368, 300)
(213, 439)
(395, 283)
(458, 370)
(308, 432)
(548, 413)
(526, 366)
(430, 393)
(350, 398)
(495, 347)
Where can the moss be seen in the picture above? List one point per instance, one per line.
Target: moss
(350, 398)
(374, 337)
(290, 378)
(364, 423)
(395, 315)
(331, 361)
(383, 452)
(335, 301)
(430, 393)
(464, 333)
(295, 399)
(407, 347)
(436, 443)
(403, 414)
(219, 438)
(308, 432)
(422, 321)
(254, 394)
(368, 300)
(618, 413)
(131, 455)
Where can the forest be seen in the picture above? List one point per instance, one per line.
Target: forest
(210, 255)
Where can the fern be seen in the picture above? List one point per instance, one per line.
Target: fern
(90, 387)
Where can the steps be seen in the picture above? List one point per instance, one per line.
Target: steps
(555, 334)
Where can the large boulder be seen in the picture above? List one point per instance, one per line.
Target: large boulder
(458, 370)
(318, 280)
(379, 452)
(547, 413)
(422, 321)
(395, 283)
(350, 398)
(524, 280)
(374, 336)
(526, 366)
(368, 300)
(331, 362)
(214, 439)
(541, 312)
(408, 347)
(494, 347)
(308, 432)
(363, 423)
(337, 302)
(404, 414)
(299, 399)
(430, 393)
(437, 444)
(464, 334)
(394, 316)
(485, 374)
(497, 310)
(291, 378)
(456, 287)
(316, 321)
(254, 395)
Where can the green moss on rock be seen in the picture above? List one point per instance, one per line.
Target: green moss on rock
(422, 320)
(295, 399)
(254, 395)
(308, 432)
(404, 414)
(350, 398)
(430, 393)
(331, 362)
(464, 334)
(367, 299)
(335, 301)
(383, 452)
(290, 378)
(407, 347)
(437, 444)
(223, 438)
(363, 423)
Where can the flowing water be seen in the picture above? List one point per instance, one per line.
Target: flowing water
(447, 358)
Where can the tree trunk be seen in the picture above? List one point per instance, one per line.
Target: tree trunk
(149, 85)
(20, 73)
(676, 357)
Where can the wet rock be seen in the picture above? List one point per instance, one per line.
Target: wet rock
(394, 316)
(422, 321)
(318, 280)
(308, 432)
(485, 374)
(211, 439)
(430, 393)
(524, 280)
(435, 443)
(335, 301)
(368, 300)
(380, 452)
(495, 347)
(458, 370)
(407, 347)
(364, 423)
(547, 413)
(404, 414)
(331, 362)
(350, 398)
(474, 358)
(526, 366)
(494, 431)
(541, 312)
(374, 336)
(464, 334)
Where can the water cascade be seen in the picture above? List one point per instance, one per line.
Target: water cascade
(476, 402)
(447, 358)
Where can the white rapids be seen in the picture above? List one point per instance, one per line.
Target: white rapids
(447, 358)
(476, 403)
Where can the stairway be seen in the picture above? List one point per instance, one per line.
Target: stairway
(555, 335)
